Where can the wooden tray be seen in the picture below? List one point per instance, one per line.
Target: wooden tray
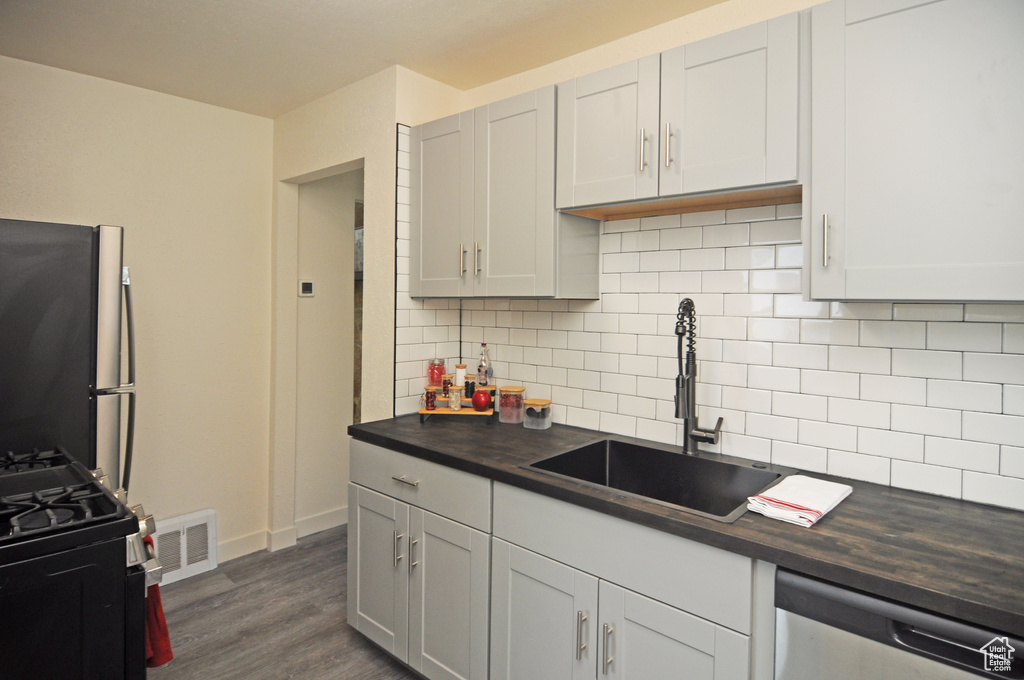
(445, 411)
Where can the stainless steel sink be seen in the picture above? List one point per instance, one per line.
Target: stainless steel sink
(704, 484)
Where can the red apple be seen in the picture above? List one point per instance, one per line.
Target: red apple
(481, 400)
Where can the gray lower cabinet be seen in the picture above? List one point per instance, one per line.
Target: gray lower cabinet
(550, 621)
(418, 582)
(916, 148)
(717, 114)
(483, 217)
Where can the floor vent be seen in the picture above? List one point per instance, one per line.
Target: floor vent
(187, 545)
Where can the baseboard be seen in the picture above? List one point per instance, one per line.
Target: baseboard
(325, 520)
(282, 538)
(243, 545)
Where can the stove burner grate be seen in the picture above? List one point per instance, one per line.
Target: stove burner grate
(40, 511)
(11, 462)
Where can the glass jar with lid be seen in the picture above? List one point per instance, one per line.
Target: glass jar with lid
(511, 404)
(435, 371)
(538, 414)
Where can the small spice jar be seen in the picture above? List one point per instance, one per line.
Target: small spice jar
(460, 375)
(430, 398)
(454, 398)
(538, 414)
(511, 404)
(435, 371)
(446, 383)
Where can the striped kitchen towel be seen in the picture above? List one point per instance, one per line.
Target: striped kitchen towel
(799, 500)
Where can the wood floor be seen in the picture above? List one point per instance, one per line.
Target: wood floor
(272, 616)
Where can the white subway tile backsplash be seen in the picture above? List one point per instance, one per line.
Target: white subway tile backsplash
(894, 389)
(1013, 400)
(1013, 338)
(965, 455)
(964, 337)
(829, 331)
(800, 356)
(726, 235)
(725, 281)
(994, 313)
(896, 445)
(994, 490)
(828, 435)
(780, 231)
(777, 428)
(752, 257)
(932, 479)
(813, 458)
(914, 395)
(829, 383)
(774, 330)
(881, 311)
(774, 281)
(803, 406)
(903, 334)
(763, 212)
(1011, 461)
(859, 359)
(927, 364)
(995, 368)
(796, 306)
(966, 396)
(994, 428)
(934, 421)
(773, 378)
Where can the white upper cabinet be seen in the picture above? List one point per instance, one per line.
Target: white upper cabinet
(717, 114)
(608, 135)
(483, 207)
(441, 154)
(917, 150)
(729, 109)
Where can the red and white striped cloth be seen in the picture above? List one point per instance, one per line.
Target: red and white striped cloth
(799, 500)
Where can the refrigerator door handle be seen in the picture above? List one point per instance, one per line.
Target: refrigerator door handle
(128, 387)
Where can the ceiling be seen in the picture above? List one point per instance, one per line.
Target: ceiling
(268, 57)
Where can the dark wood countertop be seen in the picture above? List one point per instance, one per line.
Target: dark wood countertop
(956, 558)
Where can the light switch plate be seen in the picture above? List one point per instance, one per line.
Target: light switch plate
(305, 289)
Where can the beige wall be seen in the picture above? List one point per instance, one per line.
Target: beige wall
(191, 184)
(326, 244)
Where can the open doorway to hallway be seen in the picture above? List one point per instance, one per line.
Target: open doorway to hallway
(327, 358)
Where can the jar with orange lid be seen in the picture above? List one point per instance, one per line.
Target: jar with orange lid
(511, 404)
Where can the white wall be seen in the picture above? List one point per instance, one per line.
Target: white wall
(191, 184)
(326, 244)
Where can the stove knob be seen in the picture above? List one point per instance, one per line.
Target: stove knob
(137, 510)
(121, 495)
(147, 525)
(97, 473)
(105, 481)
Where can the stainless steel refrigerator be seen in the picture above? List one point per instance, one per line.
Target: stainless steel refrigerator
(61, 311)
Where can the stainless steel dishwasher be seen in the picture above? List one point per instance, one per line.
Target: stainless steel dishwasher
(826, 632)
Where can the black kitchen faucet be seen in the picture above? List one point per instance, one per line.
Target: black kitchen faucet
(686, 381)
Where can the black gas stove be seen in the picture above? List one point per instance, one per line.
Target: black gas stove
(70, 605)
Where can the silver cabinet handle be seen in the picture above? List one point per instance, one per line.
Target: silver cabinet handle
(581, 644)
(462, 260)
(824, 237)
(668, 144)
(412, 562)
(398, 537)
(476, 257)
(403, 480)
(608, 658)
(643, 149)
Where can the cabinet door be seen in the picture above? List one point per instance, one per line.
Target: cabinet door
(543, 618)
(729, 109)
(642, 639)
(514, 187)
(378, 580)
(916, 150)
(604, 119)
(441, 228)
(449, 568)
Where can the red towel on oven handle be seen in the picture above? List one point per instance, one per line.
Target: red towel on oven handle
(158, 639)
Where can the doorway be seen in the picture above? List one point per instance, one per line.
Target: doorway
(326, 344)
